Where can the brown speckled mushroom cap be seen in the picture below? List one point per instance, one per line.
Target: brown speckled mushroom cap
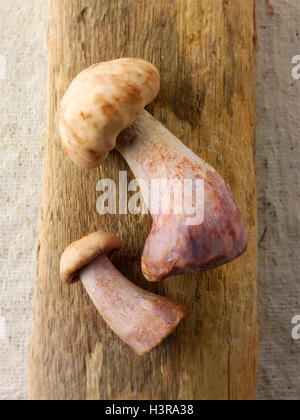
(102, 101)
(85, 250)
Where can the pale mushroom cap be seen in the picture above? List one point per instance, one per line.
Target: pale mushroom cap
(85, 250)
(102, 101)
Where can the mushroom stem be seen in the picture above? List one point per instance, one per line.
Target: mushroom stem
(179, 242)
(140, 318)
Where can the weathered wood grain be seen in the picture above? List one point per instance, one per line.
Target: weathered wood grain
(206, 54)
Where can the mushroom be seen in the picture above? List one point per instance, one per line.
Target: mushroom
(113, 95)
(102, 101)
(179, 243)
(140, 318)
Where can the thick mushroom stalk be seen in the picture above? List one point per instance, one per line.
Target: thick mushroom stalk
(140, 318)
(179, 243)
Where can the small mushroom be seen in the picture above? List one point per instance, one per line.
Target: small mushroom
(95, 116)
(140, 318)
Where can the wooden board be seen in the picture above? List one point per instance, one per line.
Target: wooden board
(206, 54)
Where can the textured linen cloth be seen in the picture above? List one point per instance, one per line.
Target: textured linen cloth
(23, 72)
(278, 177)
(23, 68)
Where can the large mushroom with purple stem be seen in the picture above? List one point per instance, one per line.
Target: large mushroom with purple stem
(104, 109)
